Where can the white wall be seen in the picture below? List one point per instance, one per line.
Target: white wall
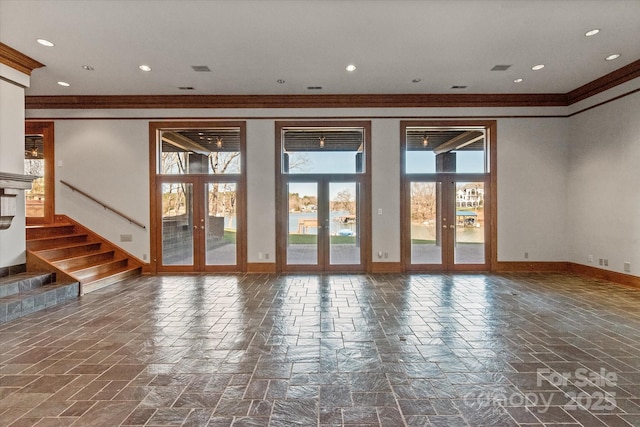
(261, 191)
(12, 240)
(109, 159)
(532, 189)
(385, 183)
(603, 218)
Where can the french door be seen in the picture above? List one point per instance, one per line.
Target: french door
(199, 224)
(323, 196)
(323, 229)
(198, 196)
(447, 224)
(448, 186)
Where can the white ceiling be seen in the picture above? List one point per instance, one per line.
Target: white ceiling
(250, 44)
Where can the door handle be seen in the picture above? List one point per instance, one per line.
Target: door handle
(452, 226)
(444, 226)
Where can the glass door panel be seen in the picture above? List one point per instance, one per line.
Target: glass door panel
(302, 230)
(426, 232)
(177, 224)
(35, 196)
(220, 223)
(39, 161)
(344, 246)
(469, 247)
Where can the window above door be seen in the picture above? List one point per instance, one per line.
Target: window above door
(323, 150)
(210, 151)
(453, 150)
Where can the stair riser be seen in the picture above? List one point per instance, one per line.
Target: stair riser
(99, 284)
(42, 232)
(36, 245)
(23, 285)
(37, 300)
(84, 261)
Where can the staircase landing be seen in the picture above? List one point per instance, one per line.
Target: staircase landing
(25, 293)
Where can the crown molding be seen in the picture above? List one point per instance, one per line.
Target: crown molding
(615, 78)
(296, 101)
(606, 82)
(17, 60)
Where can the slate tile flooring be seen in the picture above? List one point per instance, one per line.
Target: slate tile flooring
(329, 350)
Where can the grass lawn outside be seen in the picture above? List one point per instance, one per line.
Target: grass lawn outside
(306, 239)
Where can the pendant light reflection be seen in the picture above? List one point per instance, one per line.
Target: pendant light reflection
(218, 142)
(425, 141)
(321, 141)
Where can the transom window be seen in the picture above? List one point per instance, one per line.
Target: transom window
(431, 150)
(214, 151)
(327, 150)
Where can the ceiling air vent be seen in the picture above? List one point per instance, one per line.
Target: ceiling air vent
(458, 87)
(314, 87)
(200, 68)
(500, 67)
(185, 87)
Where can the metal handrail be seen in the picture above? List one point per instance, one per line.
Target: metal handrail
(104, 205)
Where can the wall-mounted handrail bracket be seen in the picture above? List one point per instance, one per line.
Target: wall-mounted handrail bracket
(104, 205)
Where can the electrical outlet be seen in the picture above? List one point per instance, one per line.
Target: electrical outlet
(600, 261)
(606, 262)
(260, 255)
(266, 255)
(386, 254)
(526, 255)
(380, 254)
(627, 267)
(590, 258)
(144, 257)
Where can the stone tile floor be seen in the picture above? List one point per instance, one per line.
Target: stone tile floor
(308, 350)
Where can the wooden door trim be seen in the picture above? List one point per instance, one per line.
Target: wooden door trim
(364, 179)
(490, 178)
(155, 196)
(46, 129)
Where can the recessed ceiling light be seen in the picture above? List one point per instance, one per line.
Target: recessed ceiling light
(44, 42)
(87, 67)
(145, 68)
(518, 80)
(351, 67)
(280, 81)
(416, 80)
(592, 32)
(65, 84)
(612, 57)
(537, 67)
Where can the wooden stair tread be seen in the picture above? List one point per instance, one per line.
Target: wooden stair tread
(61, 236)
(51, 225)
(79, 270)
(70, 247)
(86, 261)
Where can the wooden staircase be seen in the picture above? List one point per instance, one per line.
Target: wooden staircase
(72, 250)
